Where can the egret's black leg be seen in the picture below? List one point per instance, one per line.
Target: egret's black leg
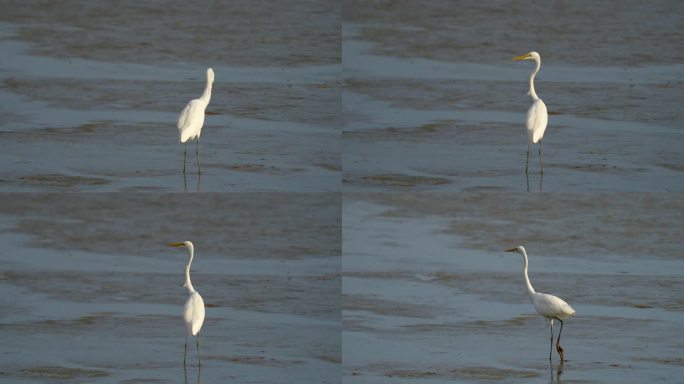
(541, 166)
(199, 168)
(559, 349)
(551, 346)
(527, 162)
(185, 156)
(186, 349)
(199, 362)
(199, 181)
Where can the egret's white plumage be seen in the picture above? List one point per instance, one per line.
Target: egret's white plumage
(537, 115)
(193, 311)
(191, 119)
(549, 306)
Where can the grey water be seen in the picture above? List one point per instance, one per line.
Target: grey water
(91, 294)
(432, 100)
(91, 94)
(363, 169)
(430, 296)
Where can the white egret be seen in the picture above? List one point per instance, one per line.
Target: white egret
(191, 119)
(549, 306)
(193, 312)
(537, 116)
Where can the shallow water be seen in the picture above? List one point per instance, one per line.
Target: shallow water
(432, 100)
(582, 32)
(357, 102)
(92, 293)
(430, 296)
(91, 103)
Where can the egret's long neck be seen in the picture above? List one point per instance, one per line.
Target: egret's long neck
(530, 290)
(206, 96)
(532, 93)
(188, 283)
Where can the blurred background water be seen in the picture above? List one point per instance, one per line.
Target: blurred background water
(91, 292)
(391, 129)
(429, 295)
(432, 100)
(91, 93)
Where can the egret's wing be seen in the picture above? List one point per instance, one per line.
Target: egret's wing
(182, 119)
(189, 310)
(537, 118)
(193, 313)
(552, 306)
(199, 315)
(192, 114)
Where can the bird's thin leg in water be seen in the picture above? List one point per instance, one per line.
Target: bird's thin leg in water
(186, 349)
(540, 158)
(199, 181)
(558, 347)
(199, 168)
(185, 156)
(528, 157)
(199, 362)
(551, 346)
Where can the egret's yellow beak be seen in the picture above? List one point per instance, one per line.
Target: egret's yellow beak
(512, 250)
(522, 57)
(176, 244)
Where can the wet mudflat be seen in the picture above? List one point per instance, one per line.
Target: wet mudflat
(430, 296)
(90, 103)
(432, 100)
(92, 294)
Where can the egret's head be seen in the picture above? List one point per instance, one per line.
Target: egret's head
(186, 244)
(210, 75)
(519, 249)
(528, 56)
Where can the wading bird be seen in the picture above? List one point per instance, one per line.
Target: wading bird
(191, 119)
(537, 116)
(193, 312)
(549, 306)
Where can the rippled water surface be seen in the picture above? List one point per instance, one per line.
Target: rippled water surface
(430, 296)
(432, 100)
(373, 153)
(91, 93)
(92, 294)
